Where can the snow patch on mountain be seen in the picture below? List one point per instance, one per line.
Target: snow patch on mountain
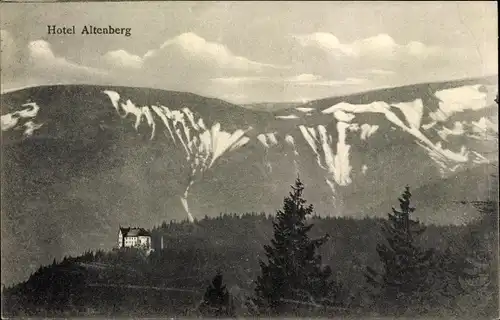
(202, 148)
(343, 116)
(304, 109)
(164, 113)
(336, 165)
(353, 127)
(483, 125)
(445, 158)
(203, 144)
(429, 125)
(223, 141)
(367, 130)
(479, 159)
(331, 185)
(459, 99)
(327, 150)
(309, 135)
(129, 108)
(190, 117)
(342, 174)
(30, 128)
(210, 143)
(268, 140)
(413, 111)
(290, 116)
(11, 120)
(272, 138)
(262, 138)
(184, 201)
(457, 130)
(375, 106)
(483, 129)
(291, 141)
(364, 169)
(178, 117)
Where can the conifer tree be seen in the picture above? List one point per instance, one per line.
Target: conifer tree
(451, 270)
(405, 283)
(481, 239)
(217, 300)
(293, 279)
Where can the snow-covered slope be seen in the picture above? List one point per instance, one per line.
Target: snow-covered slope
(330, 142)
(202, 146)
(110, 155)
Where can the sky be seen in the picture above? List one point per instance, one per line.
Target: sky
(246, 52)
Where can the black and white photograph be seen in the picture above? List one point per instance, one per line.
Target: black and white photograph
(249, 159)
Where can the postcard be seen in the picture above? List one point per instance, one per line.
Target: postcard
(238, 159)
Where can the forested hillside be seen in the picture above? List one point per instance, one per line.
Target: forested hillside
(172, 281)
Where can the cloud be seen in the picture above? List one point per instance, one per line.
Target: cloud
(326, 41)
(197, 48)
(333, 83)
(381, 72)
(305, 79)
(34, 63)
(188, 49)
(380, 46)
(235, 81)
(315, 65)
(301, 87)
(386, 63)
(45, 62)
(185, 63)
(123, 59)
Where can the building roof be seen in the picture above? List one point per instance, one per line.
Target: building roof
(134, 232)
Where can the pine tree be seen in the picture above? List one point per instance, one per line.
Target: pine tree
(217, 300)
(481, 239)
(293, 278)
(451, 270)
(405, 283)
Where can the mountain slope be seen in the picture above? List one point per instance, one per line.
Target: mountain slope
(79, 160)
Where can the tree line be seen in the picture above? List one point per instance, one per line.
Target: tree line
(290, 277)
(411, 281)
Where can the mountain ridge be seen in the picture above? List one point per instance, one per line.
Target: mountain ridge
(77, 161)
(493, 79)
(490, 78)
